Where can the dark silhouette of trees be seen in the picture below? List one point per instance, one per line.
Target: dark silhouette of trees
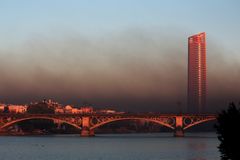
(40, 108)
(43, 126)
(37, 124)
(6, 109)
(228, 130)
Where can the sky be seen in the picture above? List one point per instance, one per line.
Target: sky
(128, 55)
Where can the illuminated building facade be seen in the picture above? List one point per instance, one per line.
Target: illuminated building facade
(197, 73)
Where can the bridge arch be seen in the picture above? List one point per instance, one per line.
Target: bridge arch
(37, 117)
(199, 122)
(122, 119)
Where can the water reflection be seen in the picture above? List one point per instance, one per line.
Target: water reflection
(162, 146)
(201, 144)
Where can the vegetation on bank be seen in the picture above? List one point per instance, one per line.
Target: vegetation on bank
(228, 130)
(40, 108)
(43, 126)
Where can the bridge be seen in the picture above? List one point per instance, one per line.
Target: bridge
(86, 123)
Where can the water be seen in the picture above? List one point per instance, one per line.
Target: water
(160, 146)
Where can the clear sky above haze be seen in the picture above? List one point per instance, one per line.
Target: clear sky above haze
(21, 19)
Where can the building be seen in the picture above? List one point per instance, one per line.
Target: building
(59, 110)
(17, 108)
(107, 111)
(197, 73)
(72, 110)
(2, 106)
(50, 103)
(86, 109)
(68, 109)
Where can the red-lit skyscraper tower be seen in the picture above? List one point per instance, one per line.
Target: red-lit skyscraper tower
(197, 73)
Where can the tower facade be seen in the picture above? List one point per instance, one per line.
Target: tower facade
(197, 73)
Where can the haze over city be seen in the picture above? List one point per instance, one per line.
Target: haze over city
(128, 55)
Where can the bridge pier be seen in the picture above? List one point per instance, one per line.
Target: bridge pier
(178, 132)
(58, 123)
(91, 133)
(86, 131)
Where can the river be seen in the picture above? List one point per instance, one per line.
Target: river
(154, 146)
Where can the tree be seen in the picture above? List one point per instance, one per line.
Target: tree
(40, 108)
(6, 109)
(37, 124)
(228, 130)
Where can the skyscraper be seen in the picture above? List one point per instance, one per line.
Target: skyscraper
(197, 73)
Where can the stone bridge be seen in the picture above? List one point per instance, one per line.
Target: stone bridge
(86, 123)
